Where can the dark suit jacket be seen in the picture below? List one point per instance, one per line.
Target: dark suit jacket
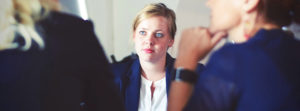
(128, 79)
(70, 74)
(261, 74)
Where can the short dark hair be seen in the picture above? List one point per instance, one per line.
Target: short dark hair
(280, 12)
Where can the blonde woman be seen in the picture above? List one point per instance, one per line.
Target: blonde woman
(51, 61)
(144, 81)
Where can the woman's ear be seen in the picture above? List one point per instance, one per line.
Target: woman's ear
(133, 35)
(170, 43)
(250, 5)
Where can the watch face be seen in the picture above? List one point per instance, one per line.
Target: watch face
(178, 73)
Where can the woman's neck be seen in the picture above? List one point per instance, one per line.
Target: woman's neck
(237, 34)
(153, 71)
(245, 31)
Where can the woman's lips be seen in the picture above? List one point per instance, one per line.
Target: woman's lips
(148, 50)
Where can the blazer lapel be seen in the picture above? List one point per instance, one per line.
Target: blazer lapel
(132, 91)
(169, 68)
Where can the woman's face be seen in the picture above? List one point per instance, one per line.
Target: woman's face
(152, 39)
(225, 14)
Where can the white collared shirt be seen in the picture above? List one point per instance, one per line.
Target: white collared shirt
(159, 100)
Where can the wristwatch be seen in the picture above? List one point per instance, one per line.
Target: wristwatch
(184, 75)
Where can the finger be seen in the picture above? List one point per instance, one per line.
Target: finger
(217, 37)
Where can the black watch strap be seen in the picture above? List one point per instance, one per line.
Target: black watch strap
(184, 75)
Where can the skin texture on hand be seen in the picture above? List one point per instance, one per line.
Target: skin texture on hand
(194, 45)
(178, 98)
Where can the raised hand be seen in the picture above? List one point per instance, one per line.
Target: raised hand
(194, 45)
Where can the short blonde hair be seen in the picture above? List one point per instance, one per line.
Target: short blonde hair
(157, 9)
(20, 16)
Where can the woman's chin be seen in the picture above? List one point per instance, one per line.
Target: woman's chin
(148, 59)
(213, 30)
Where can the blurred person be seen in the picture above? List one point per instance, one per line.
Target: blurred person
(144, 80)
(259, 72)
(51, 61)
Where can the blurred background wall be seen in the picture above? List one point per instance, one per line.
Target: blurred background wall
(113, 19)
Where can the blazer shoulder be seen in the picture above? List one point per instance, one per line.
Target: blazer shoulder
(200, 67)
(64, 21)
(123, 67)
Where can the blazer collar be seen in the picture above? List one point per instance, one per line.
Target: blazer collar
(169, 69)
(132, 92)
(135, 67)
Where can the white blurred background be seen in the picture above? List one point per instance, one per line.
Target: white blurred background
(113, 19)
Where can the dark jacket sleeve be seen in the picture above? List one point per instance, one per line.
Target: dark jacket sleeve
(101, 93)
(212, 92)
(120, 70)
(81, 63)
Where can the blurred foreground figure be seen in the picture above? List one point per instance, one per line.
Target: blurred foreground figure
(50, 61)
(259, 72)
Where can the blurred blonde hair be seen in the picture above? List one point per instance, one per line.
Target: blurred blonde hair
(157, 9)
(20, 16)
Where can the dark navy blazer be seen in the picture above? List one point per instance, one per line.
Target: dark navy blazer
(71, 71)
(262, 74)
(128, 79)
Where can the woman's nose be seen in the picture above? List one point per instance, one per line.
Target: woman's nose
(149, 39)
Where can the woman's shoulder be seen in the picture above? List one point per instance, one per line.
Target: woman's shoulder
(233, 51)
(125, 65)
(64, 21)
(200, 67)
(65, 17)
(227, 60)
(121, 65)
(225, 52)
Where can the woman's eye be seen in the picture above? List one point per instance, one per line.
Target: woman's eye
(159, 35)
(142, 32)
